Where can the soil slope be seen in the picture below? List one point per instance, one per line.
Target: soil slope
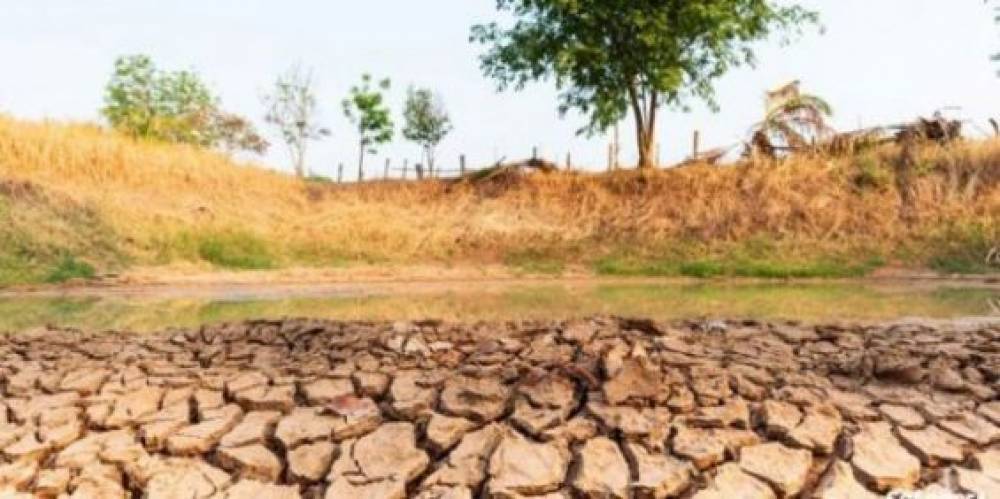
(76, 200)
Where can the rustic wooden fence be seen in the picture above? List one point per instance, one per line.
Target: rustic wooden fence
(417, 171)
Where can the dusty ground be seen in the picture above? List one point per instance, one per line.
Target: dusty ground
(596, 408)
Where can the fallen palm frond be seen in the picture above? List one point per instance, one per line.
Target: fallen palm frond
(793, 122)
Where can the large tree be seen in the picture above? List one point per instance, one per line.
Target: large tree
(145, 102)
(612, 57)
(427, 122)
(175, 106)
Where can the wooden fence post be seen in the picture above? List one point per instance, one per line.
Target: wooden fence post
(569, 161)
(385, 176)
(406, 164)
(340, 173)
(534, 153)
(695, 145)
(461, 165)
(611, 156)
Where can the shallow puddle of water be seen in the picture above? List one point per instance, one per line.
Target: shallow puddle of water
(502, 301)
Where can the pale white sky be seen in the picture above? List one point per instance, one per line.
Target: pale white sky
(880, 61)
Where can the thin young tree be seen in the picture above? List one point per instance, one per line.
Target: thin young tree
(365, 108)
(426, 122)
(292, 110)
(611, 57)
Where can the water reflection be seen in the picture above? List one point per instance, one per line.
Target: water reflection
(548, 300)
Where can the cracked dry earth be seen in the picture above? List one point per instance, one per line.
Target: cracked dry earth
(599, 408)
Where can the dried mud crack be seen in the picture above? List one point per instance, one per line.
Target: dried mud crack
(598, 408)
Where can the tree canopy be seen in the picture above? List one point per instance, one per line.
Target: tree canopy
(175, 106)
(611, 57)
(426, 121)
(365, 108)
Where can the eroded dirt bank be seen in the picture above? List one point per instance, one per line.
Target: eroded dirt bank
(604, 407)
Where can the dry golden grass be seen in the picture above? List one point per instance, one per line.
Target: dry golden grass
(166, 203)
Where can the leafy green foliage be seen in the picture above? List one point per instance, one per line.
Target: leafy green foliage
(146, 102)
(735, 267)
(426, 121)
(70, 268)
(758, 256)
(235, 250)
(130, 97)
(609, 57)
(177, 106)
(966, 249)
(365, 108)
(291, 109)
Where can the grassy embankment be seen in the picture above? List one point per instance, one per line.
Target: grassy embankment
(77, 201)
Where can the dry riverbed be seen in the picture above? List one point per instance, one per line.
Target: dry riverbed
(596, 408)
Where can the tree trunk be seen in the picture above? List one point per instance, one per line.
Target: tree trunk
(645, 127)
(361, 162)
(644, 141)
(647, 153)
(298, 160)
